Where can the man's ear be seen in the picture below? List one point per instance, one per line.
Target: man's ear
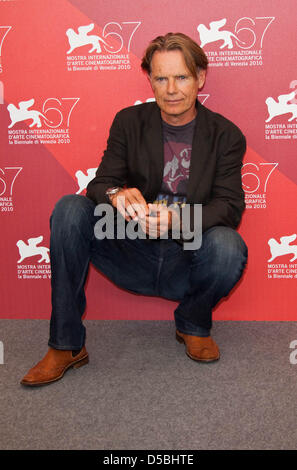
(201, 78)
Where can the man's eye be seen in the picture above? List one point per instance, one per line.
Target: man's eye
(160, 79)
(181, 77)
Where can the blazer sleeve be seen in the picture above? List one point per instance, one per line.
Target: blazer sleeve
(226, 204)
(112, 170)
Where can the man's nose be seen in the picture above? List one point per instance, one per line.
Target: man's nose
(171, 86)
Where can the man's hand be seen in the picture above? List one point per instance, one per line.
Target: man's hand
(130, 203)
(158, 221)
(154, 219)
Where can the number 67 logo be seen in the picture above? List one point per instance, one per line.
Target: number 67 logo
(63, 110)
(255, 177)
(8, 176)
(54, 112)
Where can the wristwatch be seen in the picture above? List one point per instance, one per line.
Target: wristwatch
(112, 191)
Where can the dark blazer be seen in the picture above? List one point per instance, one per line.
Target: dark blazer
(134, 157)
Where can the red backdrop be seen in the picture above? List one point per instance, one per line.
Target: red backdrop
(60, 87)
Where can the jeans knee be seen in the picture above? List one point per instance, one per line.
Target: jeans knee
(227, 246)
(72, 209)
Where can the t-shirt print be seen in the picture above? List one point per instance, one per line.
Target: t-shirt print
(177, 158)
(177, 141)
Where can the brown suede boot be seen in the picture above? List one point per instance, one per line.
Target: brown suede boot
(53, 366)
(199, 348)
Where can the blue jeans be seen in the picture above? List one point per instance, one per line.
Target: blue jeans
(198, 279)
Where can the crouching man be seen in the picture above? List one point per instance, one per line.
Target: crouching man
(171, 153)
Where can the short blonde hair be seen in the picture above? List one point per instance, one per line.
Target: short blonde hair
(194, 55)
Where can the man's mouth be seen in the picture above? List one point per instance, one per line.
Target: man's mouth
(173, 101)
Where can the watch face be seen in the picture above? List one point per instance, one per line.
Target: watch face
(111, 191)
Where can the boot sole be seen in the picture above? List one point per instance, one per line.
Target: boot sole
(182, 341)
(81, 362)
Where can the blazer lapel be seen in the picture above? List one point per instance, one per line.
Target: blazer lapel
(154, 138)
(199, 155)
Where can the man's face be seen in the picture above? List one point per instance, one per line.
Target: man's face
(174, 87)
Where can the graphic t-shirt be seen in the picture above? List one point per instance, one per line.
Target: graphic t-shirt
(177, 141)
